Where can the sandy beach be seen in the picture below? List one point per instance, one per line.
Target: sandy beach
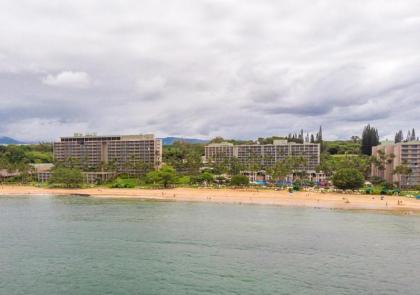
(238, 196)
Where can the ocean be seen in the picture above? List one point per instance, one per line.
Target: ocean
(83, 245)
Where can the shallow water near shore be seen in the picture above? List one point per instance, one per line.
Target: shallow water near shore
(80, 245)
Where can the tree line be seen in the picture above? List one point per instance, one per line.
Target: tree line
(411, 136)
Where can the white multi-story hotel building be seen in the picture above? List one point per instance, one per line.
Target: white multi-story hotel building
(265, 154)
(90, 152)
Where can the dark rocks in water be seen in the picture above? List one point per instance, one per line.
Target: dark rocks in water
(80, 195)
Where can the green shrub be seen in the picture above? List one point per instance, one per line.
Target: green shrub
(389, 185)
(298, 182)
(239, 180)
(39, 157)
(369, 190)
(348, 178)
(206, 177)
(183, 180)
(123, 183)
(304, 182)
(384, 191)
(165, 176)
(66, 177)
(377, 180)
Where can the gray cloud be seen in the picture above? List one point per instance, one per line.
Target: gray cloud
(206, 68)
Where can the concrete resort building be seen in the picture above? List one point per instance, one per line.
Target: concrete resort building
(406, 153)
(120, 153)
(265, 154)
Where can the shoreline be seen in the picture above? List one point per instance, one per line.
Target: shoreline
(233, 196)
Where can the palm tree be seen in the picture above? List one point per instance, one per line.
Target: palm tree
(235, 166)
(192, 162)
(280, 170)
(254, 162)
(297, 165)
(72, 162)
(382, 160)
(25, 172)
(403, 171)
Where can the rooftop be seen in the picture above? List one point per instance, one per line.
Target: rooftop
(93, 136)
(389, 142)
(43, 167)
(275, 142)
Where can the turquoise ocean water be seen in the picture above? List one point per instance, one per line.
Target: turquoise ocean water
(76, 245)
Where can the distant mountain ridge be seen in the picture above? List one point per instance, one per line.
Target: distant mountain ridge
(171, 140)
(9, 140)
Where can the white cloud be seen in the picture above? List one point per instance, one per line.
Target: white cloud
(68, 79)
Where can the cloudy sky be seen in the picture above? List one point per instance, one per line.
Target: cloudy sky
(201, 68)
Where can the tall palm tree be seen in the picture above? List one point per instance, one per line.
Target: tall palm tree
(403, 171)
(382, 160)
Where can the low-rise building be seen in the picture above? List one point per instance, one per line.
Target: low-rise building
(6, 174)
(42, 172)
(98, 177)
